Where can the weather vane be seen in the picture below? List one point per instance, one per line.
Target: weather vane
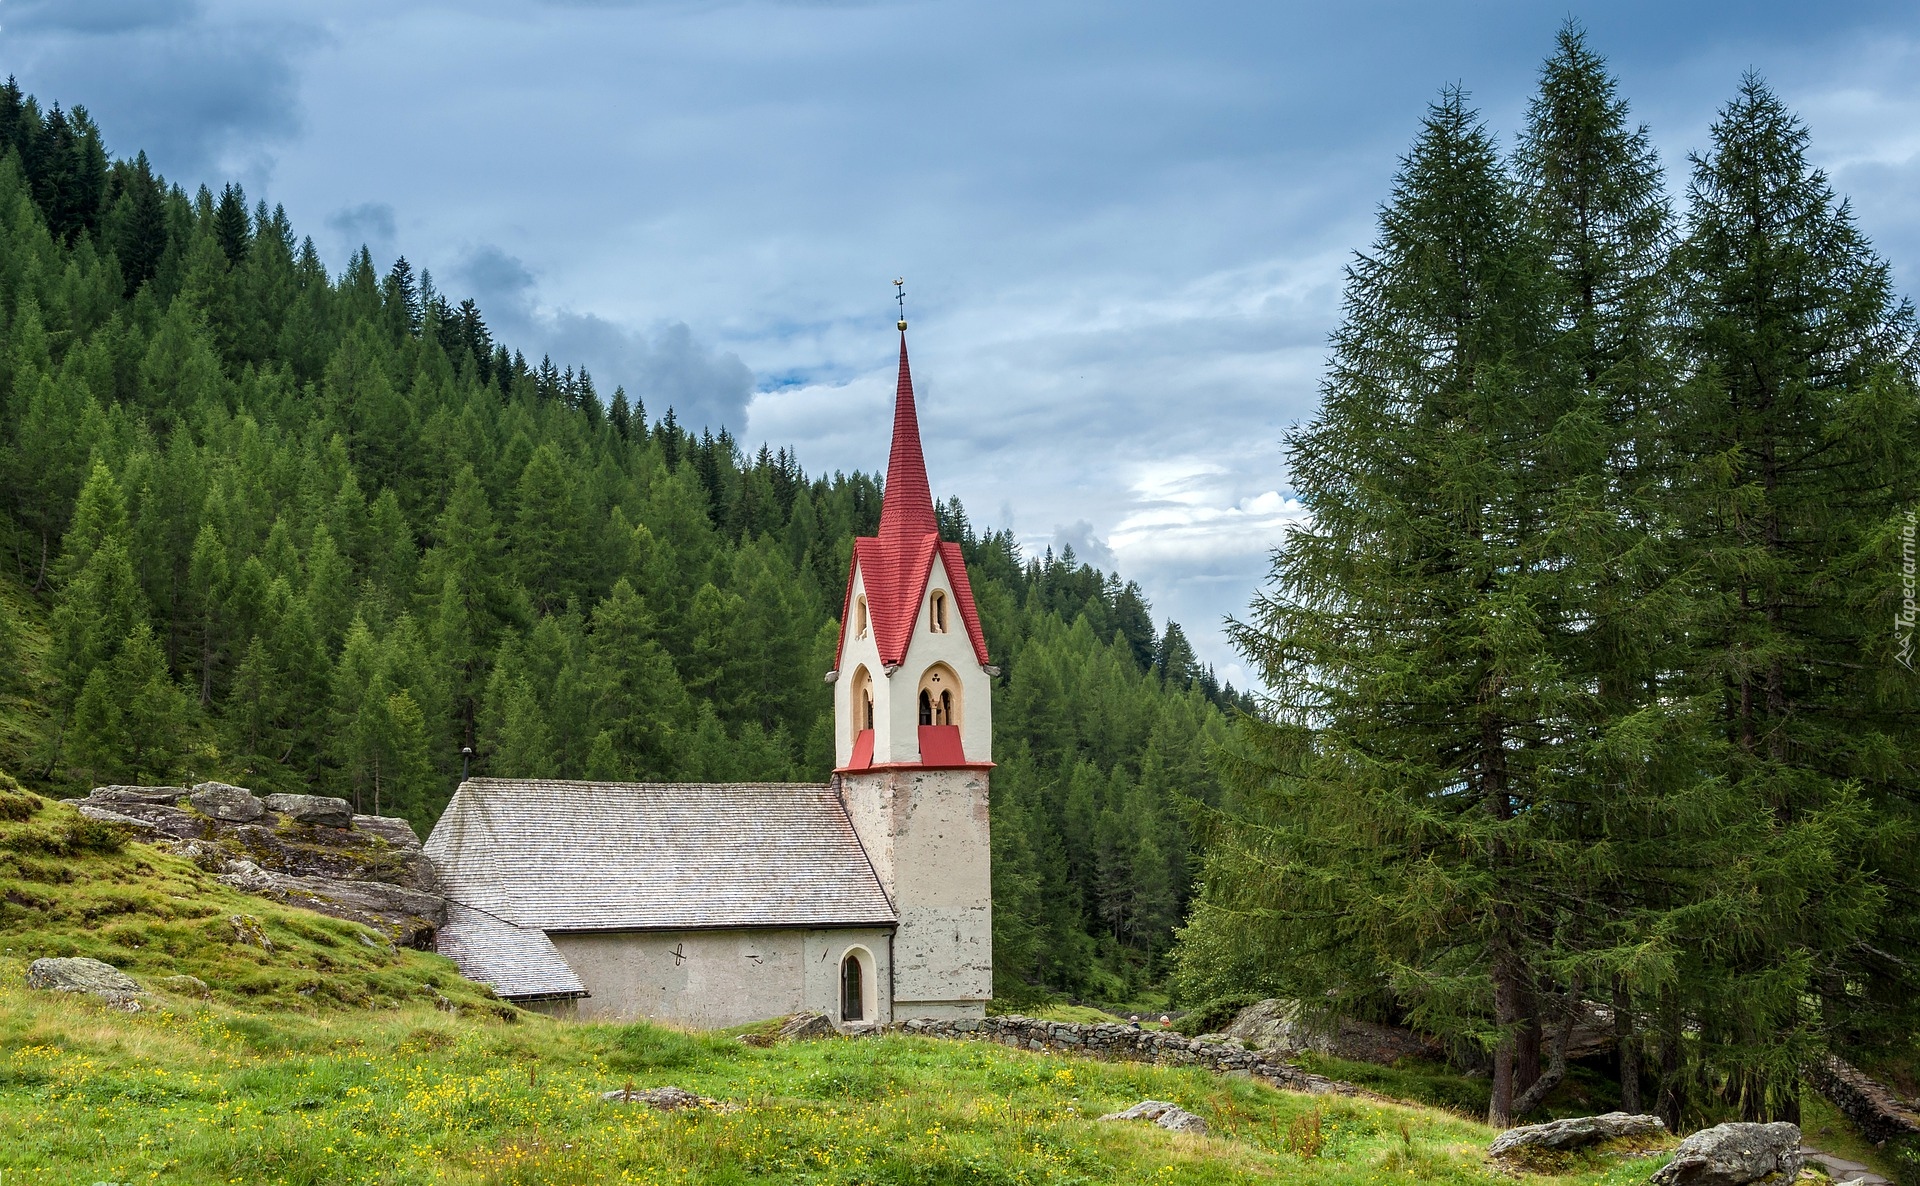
(900, 294)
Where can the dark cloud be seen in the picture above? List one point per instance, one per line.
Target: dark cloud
(665, 368)
(370, 224)
(96, 16)
(206, 96)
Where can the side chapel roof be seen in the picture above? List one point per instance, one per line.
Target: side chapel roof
(520, 858)
(896, 564)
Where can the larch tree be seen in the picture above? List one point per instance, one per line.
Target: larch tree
(1798, 436)
(1397, 831)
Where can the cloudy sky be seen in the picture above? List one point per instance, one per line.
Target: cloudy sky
(1122, 225)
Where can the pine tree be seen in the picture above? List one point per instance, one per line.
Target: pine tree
(1798, 433)
(231, 227)
(1595, 196)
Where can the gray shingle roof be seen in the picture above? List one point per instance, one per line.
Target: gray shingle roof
(584, 856)
(516, 962)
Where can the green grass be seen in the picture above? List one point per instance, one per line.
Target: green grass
(1823, 1127)
(207, 1093)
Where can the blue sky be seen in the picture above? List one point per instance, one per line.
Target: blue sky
(1122, 225)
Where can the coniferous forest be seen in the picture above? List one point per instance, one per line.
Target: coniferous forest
(313, 532)
(1591, 690)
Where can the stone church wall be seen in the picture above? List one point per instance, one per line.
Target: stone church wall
(717, 978)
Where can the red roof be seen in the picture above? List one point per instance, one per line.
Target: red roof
(897, 563)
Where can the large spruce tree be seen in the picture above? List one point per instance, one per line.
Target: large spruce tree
(1797, 431)
(1398, 832)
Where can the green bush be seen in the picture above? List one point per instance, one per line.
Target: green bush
(1905, 1156)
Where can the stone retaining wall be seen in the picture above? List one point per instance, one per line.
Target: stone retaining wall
(1880, 1115)
(1123, 1043)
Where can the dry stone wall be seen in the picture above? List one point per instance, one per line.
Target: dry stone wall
(1878, 1113)
(1123, 1043)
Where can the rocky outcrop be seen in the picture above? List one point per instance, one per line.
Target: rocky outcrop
(1282, 1025)
(1875, 1110)
(408, 918)
(302, 850)
(1172, 1117)
(1123, 1043)
(1734, 1155)
(80, 974)
(1574, 1133)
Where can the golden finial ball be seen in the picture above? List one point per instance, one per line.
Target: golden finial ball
(903, 323)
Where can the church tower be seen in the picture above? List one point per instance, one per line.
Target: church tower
(913, 711)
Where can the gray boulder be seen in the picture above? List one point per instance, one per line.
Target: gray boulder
(106, 815)
(806, 1025)
(117, 796)
(185, 985)
(81, 974)
(1734, 1155)
(397, 832)
(224, 801)
(1575, 1133)
(1282, 1025)
(1171, 1117)
(313, 809)
(660, 1099)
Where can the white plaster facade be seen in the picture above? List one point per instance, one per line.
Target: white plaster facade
(724, 977)
(928, 835)
(896, 713)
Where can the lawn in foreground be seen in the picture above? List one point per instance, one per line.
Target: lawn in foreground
(203, 1092)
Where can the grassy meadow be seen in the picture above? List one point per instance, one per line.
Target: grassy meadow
(204, 1092)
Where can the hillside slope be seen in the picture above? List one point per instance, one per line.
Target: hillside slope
(72, 887)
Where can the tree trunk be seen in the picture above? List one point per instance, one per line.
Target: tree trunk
(1506, 1011)
(1672, 1099)
(1547, 1080)
(1627, 1048)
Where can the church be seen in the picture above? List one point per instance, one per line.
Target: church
(866, 898)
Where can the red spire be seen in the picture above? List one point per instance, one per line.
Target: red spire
(906, 506)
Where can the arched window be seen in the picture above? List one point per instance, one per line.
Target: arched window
(937, 612)
(855, 982)
(940, 696)
(860, 698)
(860, 617)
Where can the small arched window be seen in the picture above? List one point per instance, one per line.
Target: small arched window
(853, 988)
(861, 698)
(937, 612)
(860, 617)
